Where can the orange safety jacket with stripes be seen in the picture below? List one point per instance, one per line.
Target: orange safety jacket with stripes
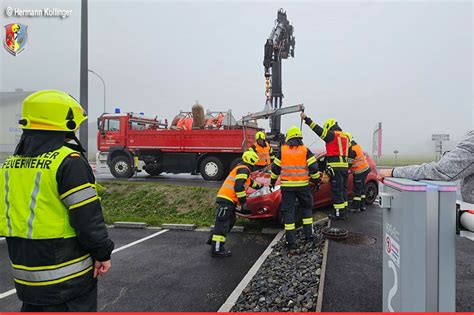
(357, 160)
(265, 154)
(295, 165)
(234, 188)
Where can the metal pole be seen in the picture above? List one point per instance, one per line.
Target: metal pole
(84, 89)
(103, 82)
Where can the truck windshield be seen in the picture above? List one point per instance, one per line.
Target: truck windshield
(112, 125)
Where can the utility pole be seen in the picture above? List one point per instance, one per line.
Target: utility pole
(84, 88)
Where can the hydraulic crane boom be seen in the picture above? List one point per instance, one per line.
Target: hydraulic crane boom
(279, 45)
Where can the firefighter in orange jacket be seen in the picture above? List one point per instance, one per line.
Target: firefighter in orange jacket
(360, 169)
(263, 150)
(296, 166)
(231, 198)
(337, 151)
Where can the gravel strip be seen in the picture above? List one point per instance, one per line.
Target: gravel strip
(286, 283)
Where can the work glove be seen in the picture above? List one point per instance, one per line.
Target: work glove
(272, 185)
(242, 209)
(259, 186)
(330, 171)
(303, 115)
(316, 183)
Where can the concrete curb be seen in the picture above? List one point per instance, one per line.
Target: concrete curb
(271, 230)
(322, 279)
(234, 296)
(235, 229)
(130, 225)
(181, 227)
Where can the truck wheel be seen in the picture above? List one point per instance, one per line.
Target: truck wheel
(371, 192)
(153, 169)
(212, 168)
(121, 167)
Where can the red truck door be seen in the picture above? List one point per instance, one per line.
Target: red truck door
(112, 133)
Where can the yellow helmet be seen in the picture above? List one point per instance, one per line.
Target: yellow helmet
(329, 123)
(51, 110)
(260, 135)
(293, 132)
(250, 157)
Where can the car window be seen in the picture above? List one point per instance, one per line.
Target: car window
(112, 125)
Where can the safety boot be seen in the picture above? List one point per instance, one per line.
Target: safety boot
(209, 240)
(362, 205)
(355, 206)
(337, 215)
(218, 250)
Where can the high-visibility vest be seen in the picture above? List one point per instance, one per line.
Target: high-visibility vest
(338, 147)
(30, 205)
(294, 166)
(227, 190)
(32, 209)
(263, 154)
(360, 163)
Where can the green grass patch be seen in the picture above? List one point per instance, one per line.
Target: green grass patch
(156, 204)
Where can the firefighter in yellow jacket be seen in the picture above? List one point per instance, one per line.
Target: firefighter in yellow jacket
(360, 169)
(263, 150)
(231, 197)
(50, 212)
(296, 166)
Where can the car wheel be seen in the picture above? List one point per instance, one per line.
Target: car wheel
(121, 167)
(154, 169)
(212, 168)
(371, 192)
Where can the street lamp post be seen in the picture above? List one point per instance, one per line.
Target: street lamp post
(103, 82)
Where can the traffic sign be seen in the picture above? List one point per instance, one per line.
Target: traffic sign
(440, 137)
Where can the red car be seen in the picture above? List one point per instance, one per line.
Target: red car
(266, 205)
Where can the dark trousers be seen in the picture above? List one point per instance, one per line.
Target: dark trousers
(225, 220)
(86, 301)
(359, 189)
(339, 188)
(288, 207)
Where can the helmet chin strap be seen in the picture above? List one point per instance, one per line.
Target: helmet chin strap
(72, 135)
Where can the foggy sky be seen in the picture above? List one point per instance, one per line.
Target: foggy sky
(406, 64)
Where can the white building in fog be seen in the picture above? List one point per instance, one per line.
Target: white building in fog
(10, 114)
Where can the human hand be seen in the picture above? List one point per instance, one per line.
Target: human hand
(381, 174)
(101, 268)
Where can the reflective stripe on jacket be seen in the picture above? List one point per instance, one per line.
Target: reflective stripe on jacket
(360, 163)
(227, 190)
(338, 147)
(263, 154)
(30, 205)
(294, 167)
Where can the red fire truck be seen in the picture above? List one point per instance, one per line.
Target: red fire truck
(127, 138)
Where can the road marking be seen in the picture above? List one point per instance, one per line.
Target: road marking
(8, 293)
(232, 299)
(138, 241)
(322, 279)
(13, 291)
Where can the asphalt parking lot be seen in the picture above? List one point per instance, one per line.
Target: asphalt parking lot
(171, 271)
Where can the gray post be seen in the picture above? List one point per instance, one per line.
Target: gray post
(84, 89)
(419, 245)
(445, 211)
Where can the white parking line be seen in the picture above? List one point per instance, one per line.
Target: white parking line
(139, 241)
(13, 291)
(8, 293)
(232, 299)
